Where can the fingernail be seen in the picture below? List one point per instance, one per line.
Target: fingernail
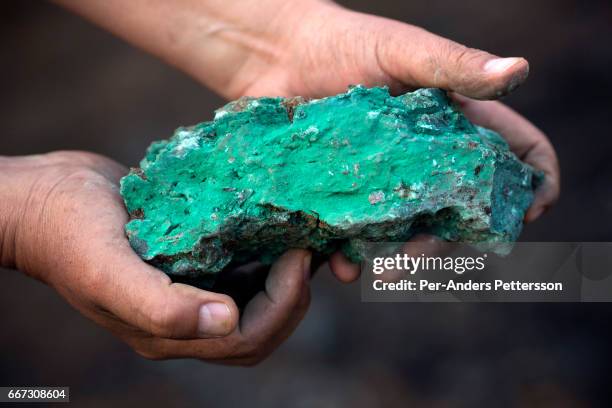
(306, 265)
(215, 320)
(500, 64)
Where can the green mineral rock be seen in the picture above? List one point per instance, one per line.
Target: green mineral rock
(268, 174)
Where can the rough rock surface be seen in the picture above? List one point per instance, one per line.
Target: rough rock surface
(268, 174)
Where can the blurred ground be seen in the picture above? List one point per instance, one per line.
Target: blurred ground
(68, 85)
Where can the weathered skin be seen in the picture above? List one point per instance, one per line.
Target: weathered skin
(271, 173)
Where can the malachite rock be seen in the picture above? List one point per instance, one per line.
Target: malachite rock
(270, 174)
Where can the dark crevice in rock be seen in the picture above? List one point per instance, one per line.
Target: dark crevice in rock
(291, 103)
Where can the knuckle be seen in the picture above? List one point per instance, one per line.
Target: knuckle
(464, 56)
(146, 348)
(74, 157)
(162, 321)
(292, 287)
(248, 349)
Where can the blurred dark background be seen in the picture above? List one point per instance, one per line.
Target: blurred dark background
(68, 85)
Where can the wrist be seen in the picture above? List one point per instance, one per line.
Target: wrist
(238, 46)
(16, 181)
(215, 42)
(26, 186)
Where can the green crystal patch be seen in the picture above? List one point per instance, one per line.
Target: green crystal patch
(268, 174)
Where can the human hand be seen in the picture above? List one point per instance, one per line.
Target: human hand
(62, 222)
(332, 47)
(315, 48)
(525, 140)
(325, 48)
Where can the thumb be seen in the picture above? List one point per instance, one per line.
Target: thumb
(418, 58)
(145, 298)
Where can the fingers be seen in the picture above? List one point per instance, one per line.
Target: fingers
(346, 271)
(426, 244)
(343, 269)
(274, 313)
(267, 320)
(243, 282)
(145, 298)
(419, 245)
(418, 58)
(525, 140)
